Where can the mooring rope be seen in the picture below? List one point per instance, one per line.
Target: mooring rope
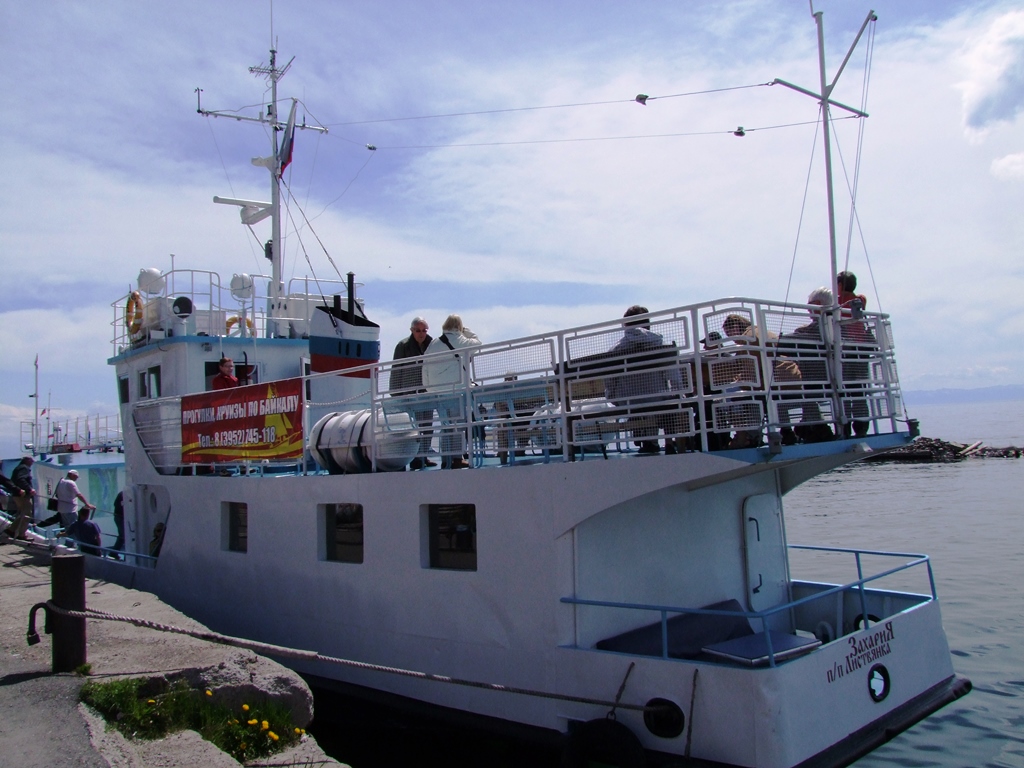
(295, 653)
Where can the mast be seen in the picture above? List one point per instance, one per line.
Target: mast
(254, 211)
(827, 140)
(276, 287)
(824, 98)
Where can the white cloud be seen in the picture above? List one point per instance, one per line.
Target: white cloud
(993, 91)
(1009, 167)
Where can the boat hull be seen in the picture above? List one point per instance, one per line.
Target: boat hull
(545, 533)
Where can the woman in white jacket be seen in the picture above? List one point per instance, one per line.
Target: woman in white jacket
(447, 373)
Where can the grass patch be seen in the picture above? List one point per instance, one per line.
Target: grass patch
(152, 709)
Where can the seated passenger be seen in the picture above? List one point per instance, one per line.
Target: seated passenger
(806, 345)
(651, 385)
(85, 532)
(741, 331)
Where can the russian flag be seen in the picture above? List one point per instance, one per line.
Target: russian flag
(284, 156)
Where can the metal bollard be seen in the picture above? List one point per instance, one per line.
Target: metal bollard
(67, 582)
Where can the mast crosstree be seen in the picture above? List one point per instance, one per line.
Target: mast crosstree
(255, 211)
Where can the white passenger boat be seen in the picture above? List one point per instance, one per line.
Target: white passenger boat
(571, 575)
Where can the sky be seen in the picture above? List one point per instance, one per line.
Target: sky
(515, 180)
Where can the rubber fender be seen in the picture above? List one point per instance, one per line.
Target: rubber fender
(605, 742)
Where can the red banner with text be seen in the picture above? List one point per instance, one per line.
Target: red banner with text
(259, 421)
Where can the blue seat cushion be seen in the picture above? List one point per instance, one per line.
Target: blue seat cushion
(688, 633)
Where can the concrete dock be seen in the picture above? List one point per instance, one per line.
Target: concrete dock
(42, 722)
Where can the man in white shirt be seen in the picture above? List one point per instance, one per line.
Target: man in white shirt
(66, 492)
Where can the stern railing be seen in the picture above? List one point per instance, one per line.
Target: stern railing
(857, 587)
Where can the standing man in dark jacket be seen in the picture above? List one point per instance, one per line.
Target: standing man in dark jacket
(407, 379)
(25, 503)
(10, 490)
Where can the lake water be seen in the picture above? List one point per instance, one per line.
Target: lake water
(968, 516)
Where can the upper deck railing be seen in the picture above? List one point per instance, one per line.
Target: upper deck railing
(734, 373)
(72, 435)
(193, 302)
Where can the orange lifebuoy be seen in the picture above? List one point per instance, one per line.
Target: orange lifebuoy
(235, 319)
(133, 313)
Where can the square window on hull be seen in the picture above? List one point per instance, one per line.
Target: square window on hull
(343, 533)
(237, 519)
(451, 536)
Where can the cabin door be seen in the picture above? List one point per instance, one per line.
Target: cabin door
(765, 554)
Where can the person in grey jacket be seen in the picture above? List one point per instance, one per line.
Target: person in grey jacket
(649, 387)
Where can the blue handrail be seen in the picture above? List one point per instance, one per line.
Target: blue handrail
(764, 615)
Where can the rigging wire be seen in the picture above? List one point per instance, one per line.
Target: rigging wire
(853, 188)
(868, 59)
(641, 98)
(800, 223)
(345, 190)
(315, 235)
(227, 177)
(732, 131)
(803, 209)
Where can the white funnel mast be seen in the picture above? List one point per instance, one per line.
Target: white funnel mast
(253, 211)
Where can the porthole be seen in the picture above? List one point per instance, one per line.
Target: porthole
(664, 718)
(878, 682)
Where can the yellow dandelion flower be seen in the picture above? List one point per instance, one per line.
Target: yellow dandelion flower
(245, 707)
(298, 731)
(303, 730)
(209, 692)
(265, 725)
(151, 701)
(253, 721)
(273, 736)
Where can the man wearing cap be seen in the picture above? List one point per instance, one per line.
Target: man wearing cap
(66, 492)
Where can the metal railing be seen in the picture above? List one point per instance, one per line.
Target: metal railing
(189, 302)
(858, 587)
(72, 435)
(589, 388)
(735, 373)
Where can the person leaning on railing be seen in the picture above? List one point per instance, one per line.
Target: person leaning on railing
(407, 379)
(858, 336)
(445, 373)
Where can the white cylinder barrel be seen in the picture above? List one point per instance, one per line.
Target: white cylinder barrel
(342, 443)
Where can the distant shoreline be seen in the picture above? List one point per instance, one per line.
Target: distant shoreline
(957, 396)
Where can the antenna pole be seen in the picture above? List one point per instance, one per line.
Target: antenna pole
(276, 288)
(827, 138)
